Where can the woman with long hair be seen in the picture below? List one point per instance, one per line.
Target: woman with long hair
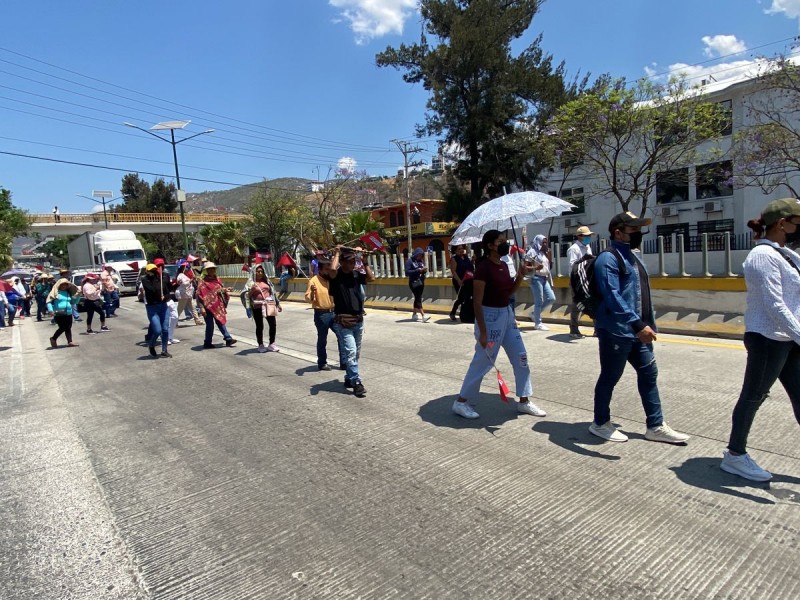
(415, 271)
(772, 328)
(496, 327)
(264, 305)
(185, 292)
(541, 287)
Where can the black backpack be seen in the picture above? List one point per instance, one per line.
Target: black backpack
(585, 295)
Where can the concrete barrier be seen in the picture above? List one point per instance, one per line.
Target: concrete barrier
(703, 306)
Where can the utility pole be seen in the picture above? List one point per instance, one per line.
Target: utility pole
(407, 151)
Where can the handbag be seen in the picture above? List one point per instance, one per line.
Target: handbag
(270, 308)
(417, 283)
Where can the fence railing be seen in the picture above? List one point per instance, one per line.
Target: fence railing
(134, 218)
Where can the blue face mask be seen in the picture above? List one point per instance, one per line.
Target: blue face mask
(586, 241)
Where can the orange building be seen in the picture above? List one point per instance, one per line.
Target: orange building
(429, 227)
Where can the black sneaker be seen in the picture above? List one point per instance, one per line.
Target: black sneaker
(208, 345)
(104, 328)
(230, 342)
(359, 390)
(90, 332)
(347, 384)
(166, 354)
(153, 351)
(324, 368)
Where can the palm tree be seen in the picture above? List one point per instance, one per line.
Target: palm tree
(354, 225)
(226, 242)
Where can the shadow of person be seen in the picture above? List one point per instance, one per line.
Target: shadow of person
(560, 337)
(704, 472)
(309, 369)
(248, 351)
(493, 413)
(574, 437)
(332, 385)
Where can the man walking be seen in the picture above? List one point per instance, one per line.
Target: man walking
(348, 306)
(318, 294)
(626, 329)
(580, 247)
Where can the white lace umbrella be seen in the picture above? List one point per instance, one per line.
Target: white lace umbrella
(510, 211)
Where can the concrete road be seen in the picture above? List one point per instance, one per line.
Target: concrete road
(231, 474)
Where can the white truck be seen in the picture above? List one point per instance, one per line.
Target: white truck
(116, 247)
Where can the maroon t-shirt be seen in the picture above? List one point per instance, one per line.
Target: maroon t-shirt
(499, 283)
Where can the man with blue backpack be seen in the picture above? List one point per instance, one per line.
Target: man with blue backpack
(626, 329)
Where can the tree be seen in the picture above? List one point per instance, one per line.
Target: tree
(766, 153)
(227, 242)
(13, 223)
(483, 100)
(279, 220)
(355, 224)
(622, 136)
(139, 196)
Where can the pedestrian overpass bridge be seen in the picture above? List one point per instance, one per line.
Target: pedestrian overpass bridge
(76, 224)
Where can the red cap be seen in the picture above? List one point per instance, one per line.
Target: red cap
(158, 262)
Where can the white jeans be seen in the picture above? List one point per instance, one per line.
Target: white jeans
(172, 307)
(501, 330)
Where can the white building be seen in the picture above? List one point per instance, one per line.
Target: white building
(700, 198)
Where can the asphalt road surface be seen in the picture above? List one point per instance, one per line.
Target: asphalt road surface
(227, 473)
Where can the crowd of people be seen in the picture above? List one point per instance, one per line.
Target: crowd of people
(485, 285)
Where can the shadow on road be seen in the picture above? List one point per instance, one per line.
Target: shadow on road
(247, 351)
(574, 437)
(309, 369)
(334, 385)
(8, 348)
(493, 413)
(704, 472)
(561, 337)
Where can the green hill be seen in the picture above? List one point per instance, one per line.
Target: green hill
(235, 199)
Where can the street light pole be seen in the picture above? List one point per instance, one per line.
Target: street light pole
(103, 195)
(172, 126)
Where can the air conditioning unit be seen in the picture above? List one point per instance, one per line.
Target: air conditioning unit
(570, 222)
(712, 206)
(669, 211)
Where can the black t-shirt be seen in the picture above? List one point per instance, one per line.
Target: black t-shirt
(345, 289)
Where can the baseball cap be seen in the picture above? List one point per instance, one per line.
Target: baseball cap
(625, 219)
(780, 209)
(150, 267)
(158, 262)
(583, 230)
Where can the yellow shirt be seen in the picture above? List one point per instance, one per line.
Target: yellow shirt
(321, 299)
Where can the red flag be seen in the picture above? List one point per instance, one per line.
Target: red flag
(286, 261)
(191, 258)
(261, 257)
(134, 265)
(503, 387)
(246, 268)
(373, 240)
(258, 260)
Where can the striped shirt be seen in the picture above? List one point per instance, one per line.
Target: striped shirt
(773, 292)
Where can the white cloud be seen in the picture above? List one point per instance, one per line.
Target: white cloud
(721, 45)
(719, 73)
(346, 165)
(791, 8)
(375, 18)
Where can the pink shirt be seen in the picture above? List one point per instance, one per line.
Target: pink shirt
(90, 291)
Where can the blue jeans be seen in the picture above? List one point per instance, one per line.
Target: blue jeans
(323, 321)
(110, 302)
(767, 361)
(615, 351)
(158, 315)
(501, 332)
(543, 296)
(284, 282)
(2, 314)
(350, 340)
(210, 320)
(12, 312)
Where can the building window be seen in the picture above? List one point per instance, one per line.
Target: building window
(401, 218)
(672, 186)
(392, 220)
(727, 110)
(714, 180)
(576, 197)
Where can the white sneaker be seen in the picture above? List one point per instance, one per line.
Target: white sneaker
(529, 408)
(415, 317)
(607, 431)
(426, 318)
(743, 466)
(273, 348)
(463, 409)
(174, 341)
(666, 434)
(542, 327)
(262, 348)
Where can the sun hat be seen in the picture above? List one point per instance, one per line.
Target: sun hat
(583, 230)
(209, 265)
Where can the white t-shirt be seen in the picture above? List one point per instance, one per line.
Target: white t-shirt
(512, 270)
(577, 251)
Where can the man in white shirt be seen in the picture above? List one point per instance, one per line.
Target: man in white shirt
(580, 247)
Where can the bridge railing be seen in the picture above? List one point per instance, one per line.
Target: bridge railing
(114, 217)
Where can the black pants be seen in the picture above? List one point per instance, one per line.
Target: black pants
(767, 360)
(91, 308)
(417, 291)
(258, 317)
(459, 299)
(64, 323)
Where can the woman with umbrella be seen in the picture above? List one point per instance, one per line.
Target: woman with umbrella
(495, 326)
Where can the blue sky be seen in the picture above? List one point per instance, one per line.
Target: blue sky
(291, 87)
